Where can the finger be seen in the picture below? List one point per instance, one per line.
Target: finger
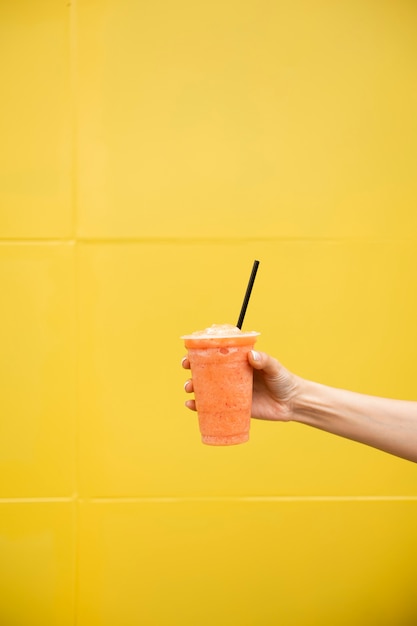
(256, 359)
(190, 404)
(185, 363)
(188, 386)
(262, 361)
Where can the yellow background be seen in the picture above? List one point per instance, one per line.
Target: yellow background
(149, 152)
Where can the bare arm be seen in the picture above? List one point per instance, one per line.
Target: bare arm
(389, 425)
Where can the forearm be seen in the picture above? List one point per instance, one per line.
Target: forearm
(389, 425)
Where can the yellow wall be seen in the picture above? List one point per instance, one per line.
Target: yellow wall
(149, 152)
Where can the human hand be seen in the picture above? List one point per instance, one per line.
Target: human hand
(274, 388)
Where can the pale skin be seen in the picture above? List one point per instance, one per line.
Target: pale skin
(278, 395)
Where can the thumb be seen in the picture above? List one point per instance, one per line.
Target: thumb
(257, 359)
(262, 361)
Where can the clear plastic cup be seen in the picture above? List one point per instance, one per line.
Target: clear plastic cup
(223, 381)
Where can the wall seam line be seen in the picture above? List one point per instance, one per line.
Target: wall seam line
(245, 499)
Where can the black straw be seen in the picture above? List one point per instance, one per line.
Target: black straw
(247, 294)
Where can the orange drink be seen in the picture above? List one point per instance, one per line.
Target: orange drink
(222, 380)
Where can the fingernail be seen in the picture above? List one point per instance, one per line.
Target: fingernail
(255, 355)
(183, 360)
(185, 384)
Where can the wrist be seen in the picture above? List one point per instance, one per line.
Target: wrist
(298, 400)
(309, 405)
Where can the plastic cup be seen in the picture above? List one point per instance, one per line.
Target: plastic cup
(223, 381)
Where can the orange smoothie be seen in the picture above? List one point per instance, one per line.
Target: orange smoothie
(222, 379)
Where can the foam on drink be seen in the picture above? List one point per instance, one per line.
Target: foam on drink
(219, 330)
